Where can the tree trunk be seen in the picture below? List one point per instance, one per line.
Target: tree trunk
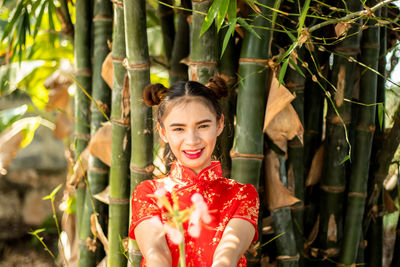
(83, 76)
(166, 15)
(120, 150)
(138, 66)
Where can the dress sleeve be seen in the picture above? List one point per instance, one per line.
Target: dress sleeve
(144, 205)
(248, 206)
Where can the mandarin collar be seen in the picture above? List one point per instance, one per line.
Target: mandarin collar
(185, 174)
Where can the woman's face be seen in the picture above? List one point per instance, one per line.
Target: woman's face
(191, 130)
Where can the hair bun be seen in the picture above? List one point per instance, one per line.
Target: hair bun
(218, 85)
(153, 93)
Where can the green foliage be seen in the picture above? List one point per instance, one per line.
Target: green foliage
(9, 116)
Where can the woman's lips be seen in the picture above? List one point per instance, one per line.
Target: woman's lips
(193, 154)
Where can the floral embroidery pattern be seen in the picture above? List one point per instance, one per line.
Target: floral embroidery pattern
(225, 198)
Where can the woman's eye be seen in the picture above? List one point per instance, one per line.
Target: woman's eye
(177, 129)
(204, 126)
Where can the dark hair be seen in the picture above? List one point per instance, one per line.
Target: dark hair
(158, 94)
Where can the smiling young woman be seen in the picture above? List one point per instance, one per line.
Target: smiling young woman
(189, 121)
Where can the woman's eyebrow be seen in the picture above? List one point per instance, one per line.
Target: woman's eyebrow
(203, 121)
(176, 124)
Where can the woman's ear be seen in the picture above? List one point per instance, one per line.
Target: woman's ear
(220, 125)
(161, 131)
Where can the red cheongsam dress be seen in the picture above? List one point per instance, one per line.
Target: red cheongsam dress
(225, 198)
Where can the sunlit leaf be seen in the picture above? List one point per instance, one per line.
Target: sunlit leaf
(221, 13)
(37, 231)
(296, 67)
(232, 10)
(212, 13)
(53, 193)
(9, 116)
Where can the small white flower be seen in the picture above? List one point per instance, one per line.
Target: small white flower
(199, 214)
(174, 234)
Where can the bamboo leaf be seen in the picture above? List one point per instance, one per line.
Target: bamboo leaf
(212, 13)
(283, 71)
(232, 10)
(39, 20)
(303, 16)
(248, 27)
(228, 35)
(37, 231)
(8, 116)
(11, 24)
(381, 113)
(53, 193)
(221, 13)
(296, 67)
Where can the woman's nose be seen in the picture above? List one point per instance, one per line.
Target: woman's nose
(192, 137)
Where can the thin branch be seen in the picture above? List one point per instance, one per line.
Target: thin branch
(355, 15)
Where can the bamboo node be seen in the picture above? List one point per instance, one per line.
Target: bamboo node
(128, 66)
(122, 122)
(264, 62)
(86, 73)
(366, 128)
(146, 170)
(287, 257)
(117, 59)
(102, 18)
(85, 137)
(235, 154)
(357, 194)
(117, 3)
(333, 189)
(120, 201)
(200, 63)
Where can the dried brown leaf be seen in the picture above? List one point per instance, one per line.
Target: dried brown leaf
(58, 99)
(277, 194)
(339, 94)
(125, 104)
(332, 229)
(64, 126)
(107, 71)
(315, 173)
(80, 168)
(314, 233)
(100, 143)
(285, 126)
(97, 231)
(341, 28)
(389, 205)
(10, 143)
(91, 244)
(103, 196)
(279, 97)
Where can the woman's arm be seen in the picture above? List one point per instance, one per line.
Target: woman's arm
(235, 240)
(150, 237)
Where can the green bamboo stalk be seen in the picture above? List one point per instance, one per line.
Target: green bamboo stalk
(227, 69)
(69, 27)
(97, 171)
(374, 227)
(362, 146)
(120, 149)
(83, 76)
(247, 151)
(337, 149)
(396, 255)
(138, 65)
(167, 15)
(203, 49)
(179, 71)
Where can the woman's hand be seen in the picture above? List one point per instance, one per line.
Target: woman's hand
(235, 240)
(151, 240)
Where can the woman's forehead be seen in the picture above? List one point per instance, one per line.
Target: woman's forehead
(189, 112)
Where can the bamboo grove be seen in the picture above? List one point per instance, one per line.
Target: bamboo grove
(305, 118)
